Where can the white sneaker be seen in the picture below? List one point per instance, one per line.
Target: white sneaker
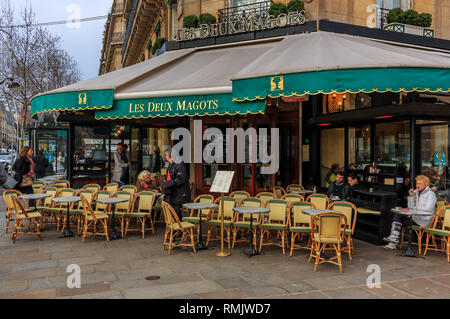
(390, 246)
(391, 239)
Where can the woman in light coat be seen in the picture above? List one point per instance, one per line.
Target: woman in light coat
(423, 200)
(119, 165)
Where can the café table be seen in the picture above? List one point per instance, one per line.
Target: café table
(301, 191)
(67, 200)
(409, 252)
(315, 211)
(113, 201)
(251, 251)
(199, 206)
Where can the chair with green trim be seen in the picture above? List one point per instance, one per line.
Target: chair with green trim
(240, 195)
(61, 183)
(440, 228)
(130, 189)
(38, 187)
(321, 201)
(279, 191)
(111, 187)
(290, 198)
(300, 224)
(328, 231)
(22, 216)
(241, 222)
(10, 209)
(194, 214)
(91, 219)
(100, 207)
(351, 213)
(294, 187)
(60, 209)
(277, 221)
(265, 197)
(215, 219)
(174, 226)
(441, 202)
(141, 211)
(49, 217)
(122, 209)
(76, 209)
(92, 187)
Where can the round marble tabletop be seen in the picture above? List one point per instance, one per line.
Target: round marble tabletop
(34, 196)
(114, 200)
(301, 191)
(199, 206)
(314, 211)
(407, 212)
(51, 178)
(67, 199)
(251, 210)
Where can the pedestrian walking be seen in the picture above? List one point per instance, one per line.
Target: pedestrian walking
(119, 164)
(24, 171)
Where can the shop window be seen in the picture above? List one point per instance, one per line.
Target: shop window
(332, 150)
(335, 102)
(359, 147)
(210, 170)
(434, 152)
(392, 143)
(155, 138)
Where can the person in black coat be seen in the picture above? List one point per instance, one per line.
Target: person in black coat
(24, 165)
(42, 164)
(176, 189)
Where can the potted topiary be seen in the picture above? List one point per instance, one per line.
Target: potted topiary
(207, 18)
(295, 6)
(190, 21)
(277, 8)
(409, 21)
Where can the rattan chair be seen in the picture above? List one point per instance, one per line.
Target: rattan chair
(279, 191)
(277, 221)
(441, 230)
(61, 183)
(174, 226)
(91, 219)
(351, 213)
(92, 187)
(60, 209)
(111, 187)
(49, 216)
(130, 189)
(265, 197)
(122, 209)
(10, 208)
(100, 207)
(290, 198)
(321, 201)
(141, 211)
(300, 225)
(294, 187)
(215, 219)
(241, 222)
(24, 219)
(38, 187)
(76, 210)
(328, 230)
(240, 195)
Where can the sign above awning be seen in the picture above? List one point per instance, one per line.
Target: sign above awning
(171, 106)
(72, 101)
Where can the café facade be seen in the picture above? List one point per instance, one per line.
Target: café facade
(339, 95)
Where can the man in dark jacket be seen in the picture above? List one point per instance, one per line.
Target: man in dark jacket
(339, 188)
(41, 164)
(353, 184)
(176, 188)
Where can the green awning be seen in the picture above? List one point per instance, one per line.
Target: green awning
(72, 101)
(193, 105)
(358, 80)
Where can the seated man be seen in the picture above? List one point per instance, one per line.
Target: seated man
(424, 199)
(339, 187)
(353, 184)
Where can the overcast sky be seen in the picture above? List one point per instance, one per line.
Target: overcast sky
(84, 44)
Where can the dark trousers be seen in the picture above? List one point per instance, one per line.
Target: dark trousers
(177, 209)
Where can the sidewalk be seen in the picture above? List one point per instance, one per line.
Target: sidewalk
(37, 269)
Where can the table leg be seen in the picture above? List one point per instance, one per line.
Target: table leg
(114, 235)
(200, 245)
(409, 252)
(252, 250)
(67, 231)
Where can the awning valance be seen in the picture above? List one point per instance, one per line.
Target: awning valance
(323, 62)
(72, 101)
(194, 105)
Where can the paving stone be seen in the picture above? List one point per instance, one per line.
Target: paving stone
(30, 274)
(190, 268)
(350, 293)
(46, 283)
(443, 280)
(415, 272)
(13, 286)
(81, 261)
(388, 292)
(113, 294)
(172, 290)
(6, 268)
(85, 289)
(226, 294)
(132, 283)
(16, 259)
(236, 282)
(31, 294)
(421, 287)
(37, 265)
(297, 287)
(263, 291)
(331, 282)
(306, 295)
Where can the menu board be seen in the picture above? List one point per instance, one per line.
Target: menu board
(222, 182)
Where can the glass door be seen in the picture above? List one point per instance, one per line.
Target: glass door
(434, 152)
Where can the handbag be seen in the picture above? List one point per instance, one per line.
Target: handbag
(26, 181)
